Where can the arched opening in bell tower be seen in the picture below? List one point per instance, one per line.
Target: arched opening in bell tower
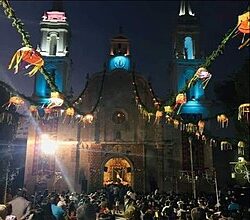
(189, 49)
(117, 170)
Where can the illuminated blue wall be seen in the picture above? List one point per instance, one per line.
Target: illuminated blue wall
(195, 91)
(119, 62)
(42, 88)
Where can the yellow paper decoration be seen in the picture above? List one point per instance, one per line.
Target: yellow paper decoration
(244, 111)
(222, 120)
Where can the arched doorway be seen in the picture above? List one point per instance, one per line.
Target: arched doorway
(118, 171)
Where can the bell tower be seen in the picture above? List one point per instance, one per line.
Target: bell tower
(54, 48)
(119, 52)
(186, 58)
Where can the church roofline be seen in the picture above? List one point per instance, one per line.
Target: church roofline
(185, 9)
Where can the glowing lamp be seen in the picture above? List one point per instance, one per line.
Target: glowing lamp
(244, 111)
(70, 112)
(48, 146)
(55, 100)
(181, 98)
(222, 120)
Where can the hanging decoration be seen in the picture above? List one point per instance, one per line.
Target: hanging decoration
(69, 113)
(225, 145)
(201, 126)
(86, 119)
(158, 116)
(29, 57)
(244, 28)
(241, 148)
(222, 119)
(244, 111)
(168, 109)
(201, 74)
(14, 101)
(179, 101)
(212, 143)
(55, 100)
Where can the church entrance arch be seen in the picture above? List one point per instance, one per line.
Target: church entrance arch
(117, 170)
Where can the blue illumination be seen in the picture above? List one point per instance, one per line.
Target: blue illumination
(196, 91)
(42, 88)
(119, 62)
(188, 44)
(194, 107)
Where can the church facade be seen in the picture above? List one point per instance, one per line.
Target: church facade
(121, 145)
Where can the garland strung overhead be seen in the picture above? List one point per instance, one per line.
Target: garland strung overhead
(34, 59)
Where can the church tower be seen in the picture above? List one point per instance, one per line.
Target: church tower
(54, 48)
(186, 59)
(119, 52)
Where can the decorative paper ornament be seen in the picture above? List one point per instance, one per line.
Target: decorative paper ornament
(28, 56)
(158, 116)
(190, 128)
(55, 100)
(201, 74)
(69, 112)
(241, 148)
(244, 27)
(222, 120)
(168, 109)
(176, 123)
(225, 145)
(180, 100)
(212, 143)
(14, 101)
(201, 126)
(244, 111)
(88, 118)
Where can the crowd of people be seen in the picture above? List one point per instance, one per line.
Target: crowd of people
(116, 201)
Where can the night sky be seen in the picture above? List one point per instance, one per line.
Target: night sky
(147, 24)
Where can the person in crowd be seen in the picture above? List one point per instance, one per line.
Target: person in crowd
(9, 213)
(57, 211)
(199, 213)
(20, 205)
(86, 211)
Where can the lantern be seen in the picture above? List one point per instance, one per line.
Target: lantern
(29, 57)
(241, 146)
(225, 145)
(201, 125)
(244, 27)
(55, 100)
(244, 111)
(158, 116)
(222, 120)
(201, 74)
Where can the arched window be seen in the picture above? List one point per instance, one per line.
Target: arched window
(188, 47)
(53, 45)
